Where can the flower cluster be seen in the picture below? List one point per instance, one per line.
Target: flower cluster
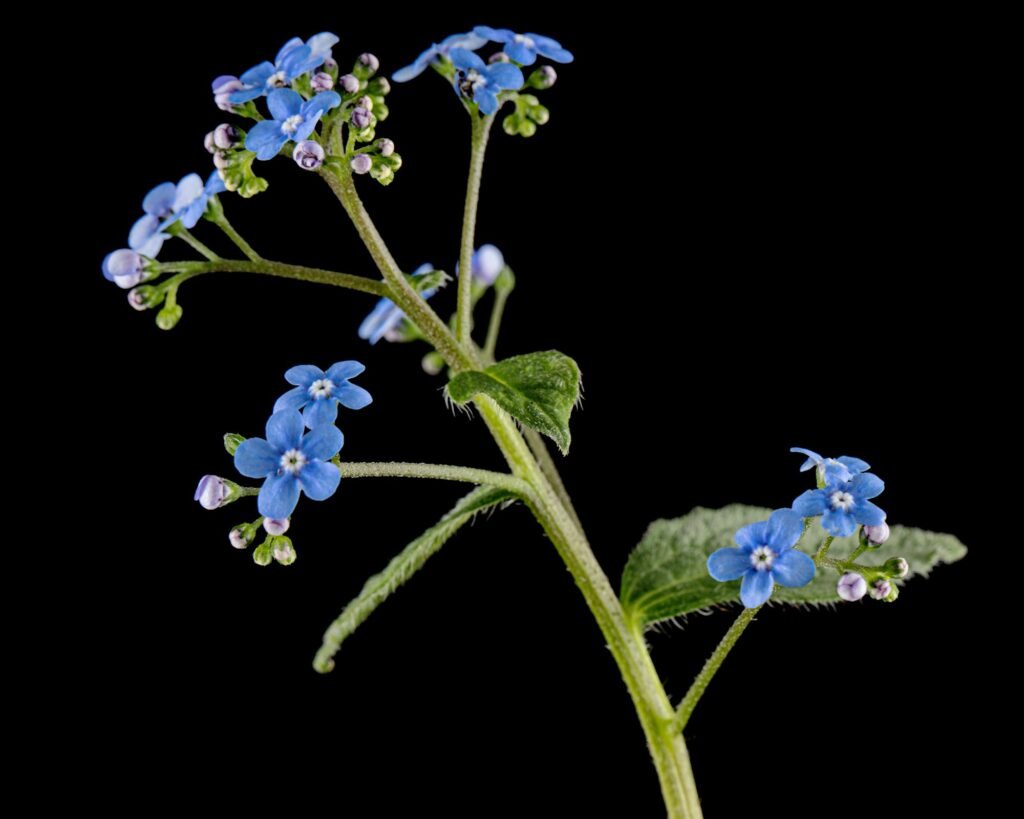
(291, 460)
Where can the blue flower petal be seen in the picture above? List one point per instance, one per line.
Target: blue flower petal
(466, 60)
(304, 375)
(246, 95)
(344, 370)
(352, 397)
(866, 485)
(793, 568)
(324, 101)
(811, 503)
(412, 71)
(505, 76)
(258, 76)
(279, 496)
(145, 237)
(306, 128)
(384, 317)
(487, 100)
(159, 202)
(319, 480)
(322, 412)
(255, 458)
(470, 40)
(284, 103)
(855, 465)
(299, 61)
(323, 443)
(838, 523)
(756, 588)
(293, 400)
(728, 564)
(867, 513)
(284, 430)
(752, 535)
(520, 53)
(552, 49)
(813, 458)
(323, 42)
(214, 184)
(291, 45)
(784, 529)
(265, 139)
(496, 35)
(191, 214)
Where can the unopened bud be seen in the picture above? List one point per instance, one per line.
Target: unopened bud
(362, 163)
(896, 567)
(381, 86)
(386, 147)
(361, 118)
(263, 555)
(223, 88)
(881, 589)
(276, 527)
(331, 64)
(125, 268)
(543, 78)
(365, 102)
(488, 262)
(875, 536)
(168, 318)
(433, 363)
(225, 136)
(500, 57)
(232, 441)
(214, 492)
(145, 297)
(208, 143)
(851, 587)
(221, 160)
(242, 536)
(284, 551)
(349, 83)
(309, 155)
(540, 114)
(369, 62)
(382, 173)
(321, 82)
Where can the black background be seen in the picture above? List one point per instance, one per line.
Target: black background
(736, 230)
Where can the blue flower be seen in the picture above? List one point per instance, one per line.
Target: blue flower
(293, 119)
(191, 198)
(480, 83)
(843, 504)
(319, 393)
(383, 322)
(469, 41)
(125, 268)
(524, 48)
(840, 469)
(147, 236)
(765, 557)
(291, 461)
(293, 60)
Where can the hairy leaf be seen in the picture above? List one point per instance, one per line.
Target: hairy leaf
(667, 575)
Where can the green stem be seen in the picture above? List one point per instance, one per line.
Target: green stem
(711, 667)
(221, 221)
(478, 150)
(823, 551)
(540, 451)
(501, 295)
(279, 269)
(183, 234)
(440, 472)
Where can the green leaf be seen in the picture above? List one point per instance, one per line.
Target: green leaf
(380, 587)
(667, 575)
(538, 390)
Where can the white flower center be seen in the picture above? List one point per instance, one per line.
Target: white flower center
(762, 558)
(321, 389)
(277, 80)
(291, 125)
(529, 42)
(292, 461)
(841, 500)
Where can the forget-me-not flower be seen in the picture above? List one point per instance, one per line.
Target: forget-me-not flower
(480, 83)
(318, 393)
(146, 236)
(844, 504)
(291, 462)
(293, 60)
(125, 268)
(293, 119)
(469, 40)
(765, 557)
(191, 198)
(524, 48)
(842, 468)
(385, 318)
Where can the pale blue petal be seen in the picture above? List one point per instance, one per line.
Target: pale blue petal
(505, 76)
(304, 375)
(279, 496)
(838, 523)
(322, 43)
(552, 49)
(214, 184)
(811, 503)
(145, 236)
(466, 60)
(258, 76)
(293, 400)
(868, 513)
(728, 564)
(192, 213)
(470, 40)
(159, 202)
(255, 458)
(298, 61)
(865, 486)
(521, 53)
(319, 480)
(284, 103)
(284, 430)
(411, 72)
(306, 128)
(293, 43)
(385, 316)
(813, 458)
(323, 443)
(324, 101)
(321, 412)
(246, 94)
(784, 529)
(855, 465)
(496, 35)
(352, 397)
(189, 189)
(265, 139)
(752, 535)
(344, 370)
(793, 568)
(487, 100)
(756, 588)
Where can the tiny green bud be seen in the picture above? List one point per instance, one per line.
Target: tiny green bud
(539, 114)
(241, 536)
(527, 128)
(380, 87)
(146, 297)
(896, 567)
(263, 555)
(382, 173)
(168, 318)
(284, 551)
(433, 363)
(543, 78)
(232, 441)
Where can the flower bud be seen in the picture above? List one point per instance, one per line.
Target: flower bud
(362, 163)
(365, 102)
(875, 536)
(369, 62)
(309, 155)
(225, 136)
(223, 88)
(540, 114)
(321, 82)
(382, 173)
(168, 318)
(222, 160)
(242, 536)
(349, 83)
(386, 147)
(284, 551)
(214, 492)
(145, 297)
(331, 65)
(851, 587)
(208, 143)
(543, 78)
(263, 555)
(380, 86)
(896, 567)
(125, 268)
(361, 118)
(433, 363)
(881, 589)
(232, 441)
(276, 527)
(500, 57)
(488, 262)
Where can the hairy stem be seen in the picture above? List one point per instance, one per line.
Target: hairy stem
(501, 295)
(279, 269)
(478, 150)
(539, 448)
(439, 472)
(714, 662)
(182, 233)
(221, 221)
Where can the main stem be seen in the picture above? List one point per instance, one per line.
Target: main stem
(478, 150)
